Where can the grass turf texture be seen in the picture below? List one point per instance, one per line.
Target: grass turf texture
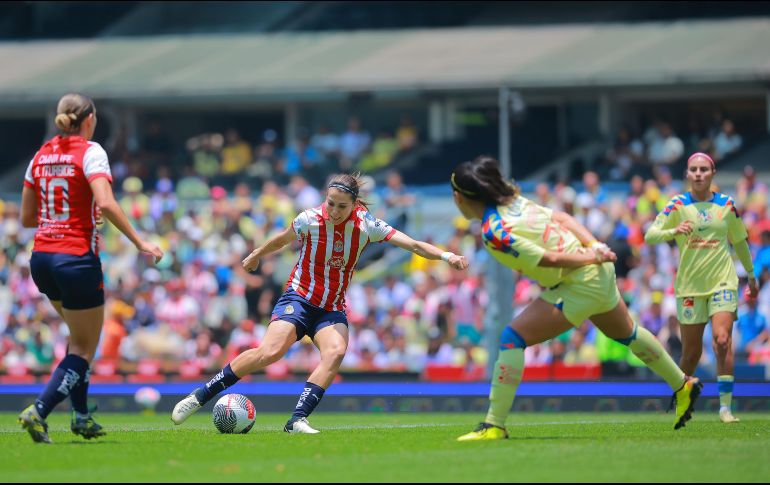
(395, 447)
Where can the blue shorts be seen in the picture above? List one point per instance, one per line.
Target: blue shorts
(76, 281)
(307, 318)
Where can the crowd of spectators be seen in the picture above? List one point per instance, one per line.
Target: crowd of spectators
(199, 307)
(660, 148)
(226, 158)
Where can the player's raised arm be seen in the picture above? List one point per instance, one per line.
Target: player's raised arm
(273, 244)
(428, 251)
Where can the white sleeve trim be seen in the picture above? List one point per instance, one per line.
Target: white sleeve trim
(28, 174)
(95, 161)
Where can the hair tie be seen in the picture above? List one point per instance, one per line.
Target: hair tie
(347, 189)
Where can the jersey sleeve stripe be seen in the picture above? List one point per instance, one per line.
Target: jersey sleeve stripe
(98, 175)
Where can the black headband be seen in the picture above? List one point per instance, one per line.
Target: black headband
(347, 189)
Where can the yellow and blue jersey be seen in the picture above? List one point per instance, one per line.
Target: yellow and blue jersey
(705, 263)
(519, 234)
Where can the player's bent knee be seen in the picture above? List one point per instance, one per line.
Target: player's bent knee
(722, 342)
(335, 354)
(511, 339)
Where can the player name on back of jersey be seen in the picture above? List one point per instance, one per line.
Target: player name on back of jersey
(55, 171)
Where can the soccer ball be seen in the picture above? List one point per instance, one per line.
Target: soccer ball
(234, 413)
(147, 398)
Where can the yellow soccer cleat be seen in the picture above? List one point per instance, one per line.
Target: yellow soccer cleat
(485, 431)
(30, 420)
(727, 417)
(685, 400)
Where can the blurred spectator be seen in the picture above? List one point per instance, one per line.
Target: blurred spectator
(327, 144)
(726, 142)
(134, 203)
(205, 150)
(383, 150)
(163, 200)
(625, 156)
(762, 261)
(666, 149)
(353, 144)
(156, 145)
(398, 200)
(406, 134)
(178, 309)
(236, 154)
(265, 157)
(204, 352)
(118, 312)
(671, 338)
(301, 156)
(192, 186)
(579, 351)
(652, 317)
(752, 327)
(305, 195)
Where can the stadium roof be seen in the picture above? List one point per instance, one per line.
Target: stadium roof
(281, 66)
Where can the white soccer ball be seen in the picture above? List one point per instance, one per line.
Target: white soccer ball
(147, 397)
(234, 413)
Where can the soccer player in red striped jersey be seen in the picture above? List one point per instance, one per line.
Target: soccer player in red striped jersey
(332, 238)
(66, 183)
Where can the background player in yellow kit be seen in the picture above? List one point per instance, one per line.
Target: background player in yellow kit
(578, 272)
(702, 222)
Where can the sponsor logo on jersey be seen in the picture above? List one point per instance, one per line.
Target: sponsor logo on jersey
(336, 262)
(688, 302)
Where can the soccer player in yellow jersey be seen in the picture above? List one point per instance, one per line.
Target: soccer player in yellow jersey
(552, 248)
(702, 222)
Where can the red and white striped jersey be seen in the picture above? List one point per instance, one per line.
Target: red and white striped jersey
(60, 174)
(329, 253)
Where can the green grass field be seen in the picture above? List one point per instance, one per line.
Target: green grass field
(396, 447)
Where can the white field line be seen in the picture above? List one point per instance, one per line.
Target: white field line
(171, 427)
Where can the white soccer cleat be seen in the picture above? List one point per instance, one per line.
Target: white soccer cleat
(300, 426)
(185, 408)
(727, 417)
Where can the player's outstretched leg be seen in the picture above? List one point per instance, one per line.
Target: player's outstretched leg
(200, 396)
(30, 420)
(649, 350)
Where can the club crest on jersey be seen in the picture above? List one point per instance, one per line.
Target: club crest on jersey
(288, 310)
(705, 216)
(688, 313)
(338, 246)
(336, 262)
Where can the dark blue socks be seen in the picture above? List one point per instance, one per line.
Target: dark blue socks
(70, 372)
(79, 395)
(308, 400)
(224, 379)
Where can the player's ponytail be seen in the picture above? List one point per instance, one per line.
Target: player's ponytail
(349, 184)
(481, 180)
(72, 109)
